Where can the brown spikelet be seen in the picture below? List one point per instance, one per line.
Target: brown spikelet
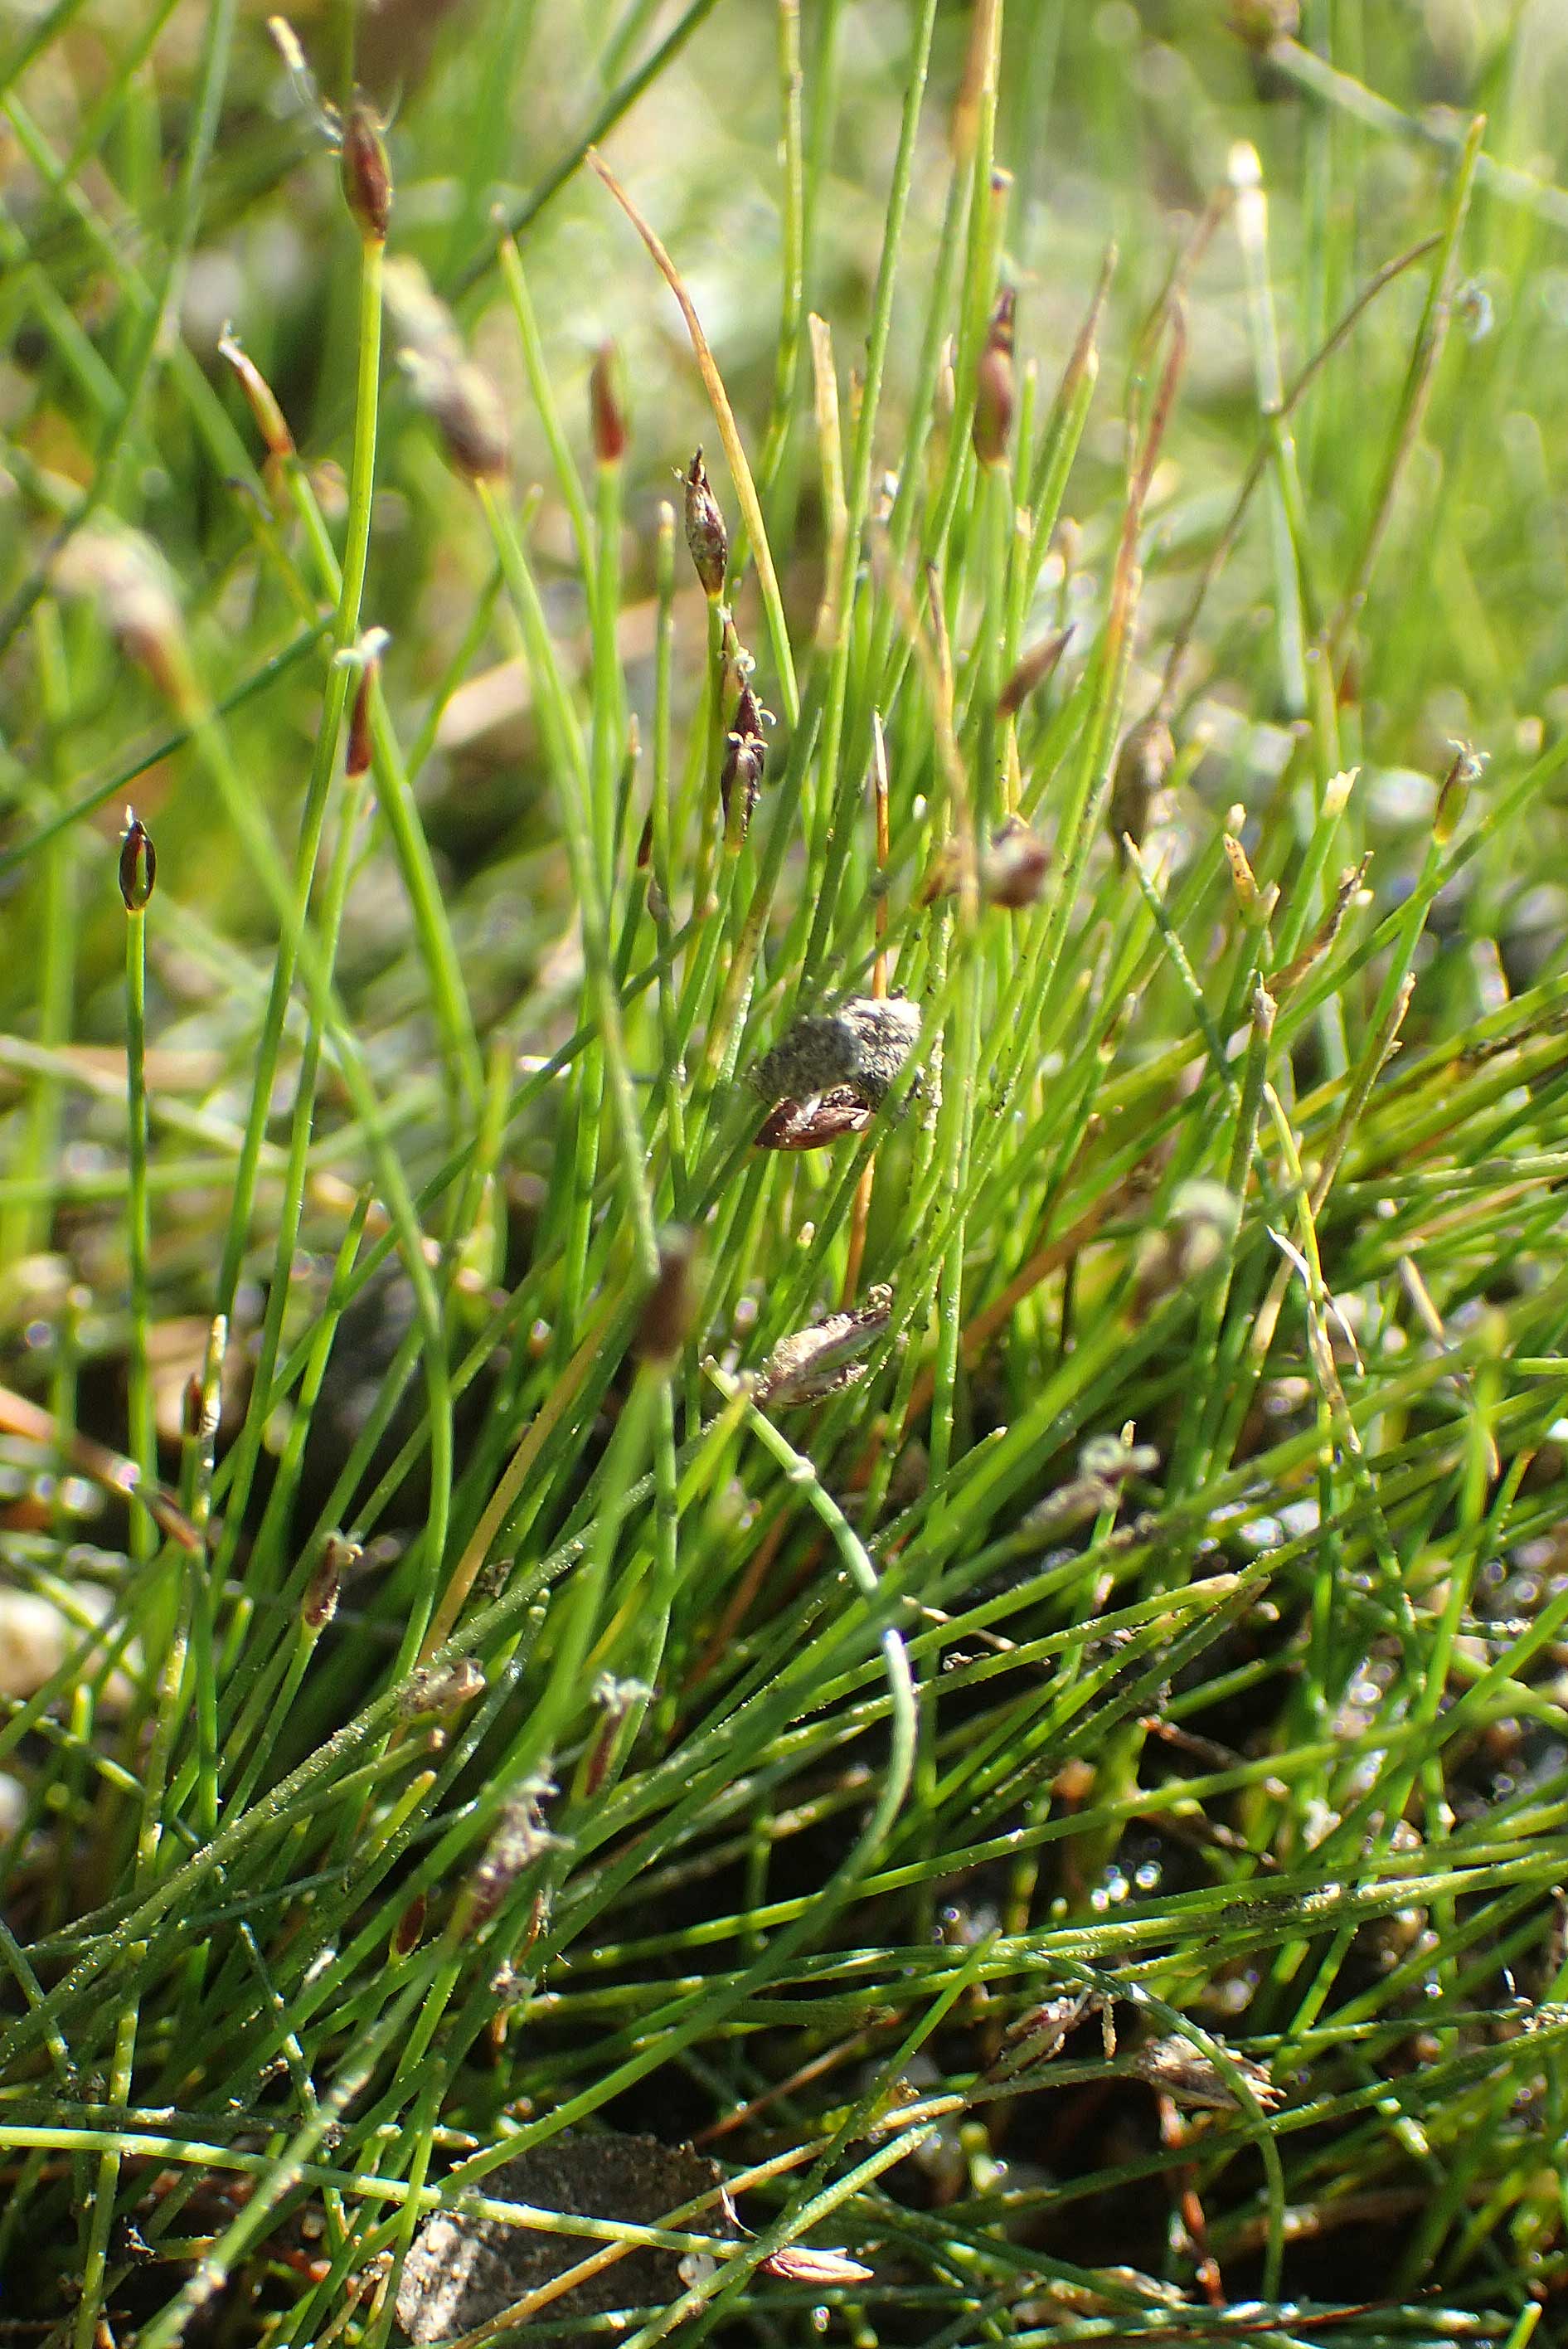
(798, 1125)
(366, 173)
(670, 1304)
(1144, 762)
(1013, 869)
(1034, 668)
(138, 864)
(746, 755)
(455, 394)
(607, 404)
(705, 535)
(270, 420)
(360, 747)
(994, 388)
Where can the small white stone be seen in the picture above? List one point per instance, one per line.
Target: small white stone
(13, 1804)
(33, 1637)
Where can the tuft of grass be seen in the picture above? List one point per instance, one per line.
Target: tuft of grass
(986, 1641)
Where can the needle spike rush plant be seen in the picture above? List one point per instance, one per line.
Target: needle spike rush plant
(784, 1314)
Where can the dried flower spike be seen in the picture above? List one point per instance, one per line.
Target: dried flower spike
(951, 870)
(799, 2263)
(1105, 1464)
(670, 1304)
(123, 574)
(1290, 973)
(704, 532)
(319, 1604)
(410, 1926)
(617, 1701)
(138, 864)
(607, 404)
(465, 407)
(366, 657)
(1190, 2075)
(795, 1126)
(1146, 758)
(456, 395)
(862, 1047)
(820, 1360)
(270, 420)
(1198, 1232)
(1034, 2038)
(358, 759)
(429, 1691)
(745, 758)
(1013, 870)
(1034, 668)
(994, 395)
(520, 1839)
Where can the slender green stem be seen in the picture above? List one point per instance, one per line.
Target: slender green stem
(314, 814)
(568, 759)
(137, 1223)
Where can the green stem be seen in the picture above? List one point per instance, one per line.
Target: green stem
(564, 735)
(143, 1435)
(345, 629)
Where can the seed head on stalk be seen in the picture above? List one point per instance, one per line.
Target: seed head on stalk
(705, 535)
